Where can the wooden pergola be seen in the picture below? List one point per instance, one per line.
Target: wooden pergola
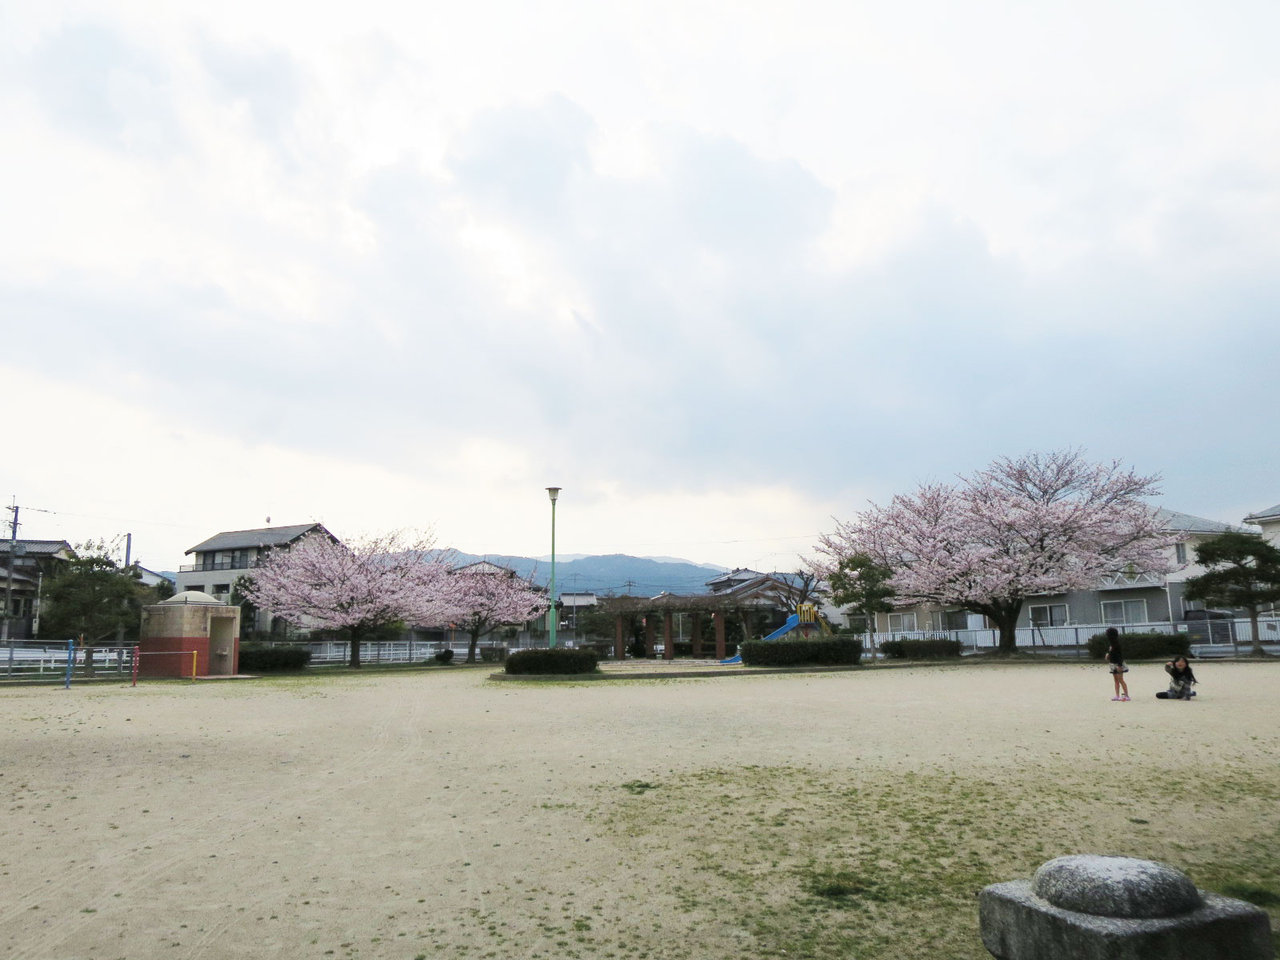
(667, 605)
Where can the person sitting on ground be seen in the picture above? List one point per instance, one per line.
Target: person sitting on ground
(1181, 679)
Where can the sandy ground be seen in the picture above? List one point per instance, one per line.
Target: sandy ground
(444, 814)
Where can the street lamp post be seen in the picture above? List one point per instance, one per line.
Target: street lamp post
(553, 493)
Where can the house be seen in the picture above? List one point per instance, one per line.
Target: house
(775, 593)
(23, 565)
(1269, 521)
(150, 578)
(1124, 597)
(572, 604)
(225, 557)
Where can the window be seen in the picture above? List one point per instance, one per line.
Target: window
(221, 588)
(1180, 552)
(857, 622)
(1124, 611)
(900, 622)
(1049, 615)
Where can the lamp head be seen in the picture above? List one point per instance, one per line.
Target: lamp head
(553, 493)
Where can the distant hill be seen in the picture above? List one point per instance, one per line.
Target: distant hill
(615, 574)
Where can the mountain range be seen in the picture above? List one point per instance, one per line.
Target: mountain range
(616, 574)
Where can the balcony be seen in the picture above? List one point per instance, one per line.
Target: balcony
(242, 564)
(1130, 581)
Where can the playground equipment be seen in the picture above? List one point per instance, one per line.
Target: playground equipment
(804, 619)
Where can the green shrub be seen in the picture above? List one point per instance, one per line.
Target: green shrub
(559, 660)
(444, 656)
(273, 658)
(933, 649)
(818, 651)
(1143, 646)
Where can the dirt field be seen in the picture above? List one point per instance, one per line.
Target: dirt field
(441, 814)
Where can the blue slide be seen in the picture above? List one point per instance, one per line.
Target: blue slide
(793, 621)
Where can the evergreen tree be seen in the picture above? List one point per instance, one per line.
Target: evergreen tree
(1242, 571)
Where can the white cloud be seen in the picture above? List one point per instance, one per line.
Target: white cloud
(722, 268)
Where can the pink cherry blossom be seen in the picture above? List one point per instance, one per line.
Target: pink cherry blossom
(480, 598)
(359, 587)
(1040, 524)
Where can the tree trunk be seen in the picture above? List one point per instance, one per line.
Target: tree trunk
(471, 646)
(1006, 621)
(355, 651)
(1008, 636)
(1257, 637)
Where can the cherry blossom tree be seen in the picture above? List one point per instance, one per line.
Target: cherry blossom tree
(482, 597)
(1040, 524)
(360, 587)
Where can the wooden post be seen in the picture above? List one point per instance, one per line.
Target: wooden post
(718, 619)
(619, 643)
(668, 643)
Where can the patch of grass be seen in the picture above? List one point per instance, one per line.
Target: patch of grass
(637, 787)
(843, 886)
(828, 865)
(1254, 893)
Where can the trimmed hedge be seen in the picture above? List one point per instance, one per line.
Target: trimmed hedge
(272, 658)
(443, 656)
(559, 660)
(1143, 646)
(937, 649)
(815, 651)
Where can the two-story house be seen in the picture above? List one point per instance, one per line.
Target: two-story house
(225, 557)
(1269, 521)
(23, 564)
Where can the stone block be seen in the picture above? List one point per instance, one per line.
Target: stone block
(1117, 908)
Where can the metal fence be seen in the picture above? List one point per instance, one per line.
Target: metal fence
(37, 660)
(1216, 637)
(336, 652)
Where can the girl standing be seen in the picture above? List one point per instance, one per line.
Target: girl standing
(1115, 657)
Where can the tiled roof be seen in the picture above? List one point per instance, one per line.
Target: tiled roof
(732, 578)
(43, 548)
(262, 537)
(1186, 523)
(1271, 513)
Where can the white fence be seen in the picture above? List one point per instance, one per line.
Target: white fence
(391, 651)
(35, 660)
(1211, 637)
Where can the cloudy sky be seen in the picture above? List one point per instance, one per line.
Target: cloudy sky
(722, 271)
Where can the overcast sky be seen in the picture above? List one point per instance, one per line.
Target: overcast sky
(722, 271)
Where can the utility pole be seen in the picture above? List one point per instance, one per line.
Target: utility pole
(8, 587)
